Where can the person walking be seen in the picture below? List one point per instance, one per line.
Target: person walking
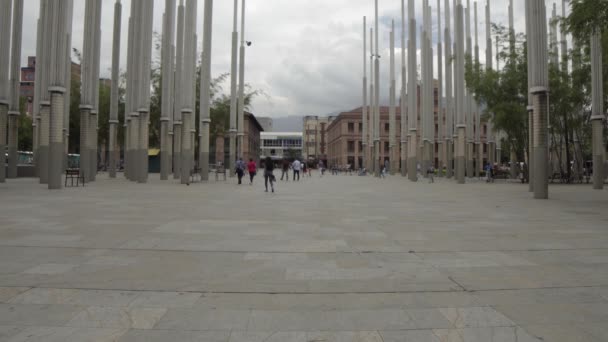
(431, 174)
(252, 169)
(285, 170)
(297, 166)
(268, 174)
(240, 169)
(304, 169)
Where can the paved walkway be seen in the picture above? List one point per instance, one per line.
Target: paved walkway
(333, 259)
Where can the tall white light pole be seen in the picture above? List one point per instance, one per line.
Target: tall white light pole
(114, 90)
(478, 143)
(440, 109)
(460, 98)
(364, 108)
(5, 41)
(13, 112)
(403, 102)
(470, 166)
(188, 79)
(377, 99)
(391, 112)
(241, 104)
(412, 98)
(372, 106)
(540, 89)
(205, 91)
(597, 107)
(449, 112)
(167, 100)
(177, 104)
(233, 93)
(491, 134)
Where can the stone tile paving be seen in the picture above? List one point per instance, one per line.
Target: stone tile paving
(332, 259)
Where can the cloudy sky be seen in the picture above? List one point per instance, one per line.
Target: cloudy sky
(306, 54)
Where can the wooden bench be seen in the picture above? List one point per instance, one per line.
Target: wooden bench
(72, 174)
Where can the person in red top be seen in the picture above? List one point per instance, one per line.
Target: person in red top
(252, 168)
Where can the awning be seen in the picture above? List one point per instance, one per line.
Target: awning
(153, 152)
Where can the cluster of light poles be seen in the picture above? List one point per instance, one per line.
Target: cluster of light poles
(52, 89)
(459, 135)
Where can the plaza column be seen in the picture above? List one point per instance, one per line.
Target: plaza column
(392, 120)
(177, 106)
(377, 97)
(187, 91)
(478, 143)
(491, 133)
(372, 106)
(233, 94)
(144, 98)
(470, 164)
(440, 110)
(37, 91)
(513, 152)
(403, 101)
(87, 80)
(13, 111)
(364, 107)
(530, 107)
(412, 98)
(167, 71)
(45, 110)
(241, 101)
(5, 42)
(449, 112)
(129, 102)
(68, 85)
(58, 22)
(205, 91)
(597, 115)
(540, 91)
(426, 111)
(114, 90)
(459, 88)
(94, 119)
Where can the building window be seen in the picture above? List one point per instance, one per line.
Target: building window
(386, 148)
(386, 127)
(360, 146)
(360, 127)
(351, 146)
(351, 127)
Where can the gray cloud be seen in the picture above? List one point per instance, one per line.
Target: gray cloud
(306, 54)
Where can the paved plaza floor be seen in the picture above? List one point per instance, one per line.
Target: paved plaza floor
(332, 259)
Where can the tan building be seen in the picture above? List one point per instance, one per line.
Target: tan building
(315, 138)
(345, 136)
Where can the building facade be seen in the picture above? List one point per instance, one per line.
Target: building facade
(315, 137)
(279, 145)
(345, 136)
(28, 80)
(252, 139)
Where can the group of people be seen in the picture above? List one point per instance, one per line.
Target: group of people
(268, 166)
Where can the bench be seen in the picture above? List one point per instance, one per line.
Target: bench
(72, 174)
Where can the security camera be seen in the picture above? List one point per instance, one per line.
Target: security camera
(248, 43)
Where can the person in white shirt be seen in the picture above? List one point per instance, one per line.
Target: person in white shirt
(297, 166)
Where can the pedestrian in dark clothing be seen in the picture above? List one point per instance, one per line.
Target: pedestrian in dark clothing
(268, 175)
(285, 170)
(240, 169)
